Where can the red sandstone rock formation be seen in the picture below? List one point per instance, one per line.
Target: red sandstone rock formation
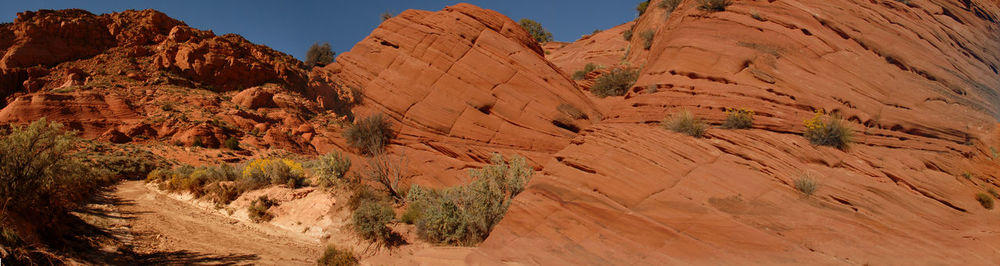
(917, 83)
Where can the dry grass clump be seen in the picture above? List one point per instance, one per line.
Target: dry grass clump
(685, 122)
(985, 200)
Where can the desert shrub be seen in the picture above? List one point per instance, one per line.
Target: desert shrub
(134, 164)
(738, 118)
(615, 83)
(685, 122)
(993, 192)
(756, 15)
(641, 7)
(221, 193)
(827, 131)
(647, 38)
(258, 209)
(370, 218)
(714, 5)
(465, 215)
(387, 173)
(334, 256)
(198, 142)
(369, 135)
(806, 185)
(262, 172)
(331, 167)
(581, 74)
(319, 55)
(42, 178)
(985, 200)
(361, 195)
(536, 30)
(386, 16)
(669, 5)
(571, 111)
(232, 143)
(627, 34)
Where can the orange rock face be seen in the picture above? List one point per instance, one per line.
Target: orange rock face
(463, 81)
(916, 83)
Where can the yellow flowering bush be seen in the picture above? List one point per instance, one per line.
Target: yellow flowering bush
(825, 130)
(738, 118)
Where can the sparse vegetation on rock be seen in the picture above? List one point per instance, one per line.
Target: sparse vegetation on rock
(581, 74)
(387, 173)
(827, 131)
(669, 5)
(627, 34)
(615, 83)
(714, 5)
(685, 122)
(319, 55)
(369, 135)
(536, 30)
(647, 38)
(806, 184)
(641, 7)
(985, 200)
(738, 118)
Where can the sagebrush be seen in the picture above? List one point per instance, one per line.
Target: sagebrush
(615, 83)
(465, 215)
(827, 131)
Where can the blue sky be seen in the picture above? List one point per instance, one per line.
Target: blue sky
(291, 26)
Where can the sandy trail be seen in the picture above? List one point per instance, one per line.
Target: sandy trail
(167, 231)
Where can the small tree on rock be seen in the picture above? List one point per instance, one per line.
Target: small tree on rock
(319, 55)
(536, 30)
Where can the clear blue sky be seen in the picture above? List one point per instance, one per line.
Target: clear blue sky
(291, 26)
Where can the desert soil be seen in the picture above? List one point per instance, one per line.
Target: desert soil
(163, 230)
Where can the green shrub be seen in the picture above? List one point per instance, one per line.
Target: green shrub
(465, 215)
(232, 143)
(615, 83)
(685, 122)
(370, 135)
(985, 200)
(319, 55)
(337, 257)
(647, 38)
(581, 74)
(714, 5)
(827, 131)
(370, 220)
(261, 172)
(197, 142)
(331, 167)
(258, 209)
(536, 30)
(361, 195)
(627, 34)
(738, 118)
(42, 178)
(806, 185)
(641, 8)
(669, 5)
